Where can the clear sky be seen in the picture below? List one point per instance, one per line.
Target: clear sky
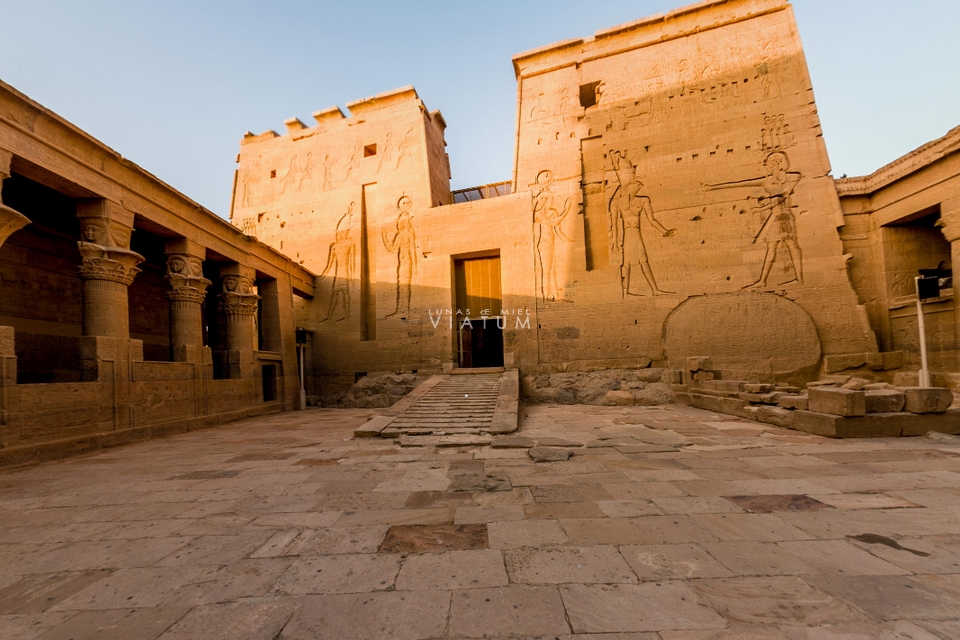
(174, 84)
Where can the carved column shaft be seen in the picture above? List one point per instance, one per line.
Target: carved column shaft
(238, 304)
(107, 269)
(187, 292)
(950, 219)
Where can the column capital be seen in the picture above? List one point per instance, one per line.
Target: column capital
(185, 277)
(105, 229)
(238, 297)
(10, 219)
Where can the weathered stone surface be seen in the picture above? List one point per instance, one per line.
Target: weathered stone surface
(512, 442)
(549, 454)
(698, 363)
(923, 400)
(791, 401)
(884, 400)
(753, 322)
(604, 387)
(857, 384)
(420, 538)
(629, 608)
(508, 611)
(837, 362)
(453, 570)
(838, 402)
(752, 387)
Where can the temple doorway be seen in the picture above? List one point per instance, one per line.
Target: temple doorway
(480, 319)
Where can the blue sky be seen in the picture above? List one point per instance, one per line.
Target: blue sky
(173, 85)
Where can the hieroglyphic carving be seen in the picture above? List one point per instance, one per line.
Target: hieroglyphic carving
(250, 189)
(403, 243)
(298, 171)
(548, 216)
(185, 277)
(386, 153)
(327, 173)
(779, 226)
(353, 160)
(626, 208)
(341, 259)
(776, 133)
(406, 145)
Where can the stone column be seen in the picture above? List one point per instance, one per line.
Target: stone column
(107, 268)
(10, 221)
(238, 304)
(950, 225)
(188, 289)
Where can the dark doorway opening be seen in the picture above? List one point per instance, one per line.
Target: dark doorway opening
(269, 375)
(481, 343)
(479, 311)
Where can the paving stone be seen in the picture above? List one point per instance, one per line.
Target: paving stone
(434, 516)
(38, 592)
(29, 626)
(568, 564)
(771, 503)
(124, 589)
(419, 538)
(839, 557)
(512, 442)
(427, 499)
(525, 533)
(549, 454)
(670, 530)
(916, 555)
(481, 515)
(337, 540)
(735, 632)
(748, 526)
(602, 531)
(695, 505)
(645, 607)
(895, 630)
(569, 493)
(354, 573)
(654, 563)
(750, 558)
(117, 624)
(508, 612)
(890, 597)
(216, 550)
(564, 510)
(453, 570)
(775, 600)
(245, 620)
(548, 441)
(399, 615)
(215, 585)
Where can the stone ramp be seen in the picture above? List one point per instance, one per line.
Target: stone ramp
(476, 404)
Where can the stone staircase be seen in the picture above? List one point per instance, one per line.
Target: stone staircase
(463, 404)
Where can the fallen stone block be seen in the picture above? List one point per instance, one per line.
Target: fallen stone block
(873, 386)
(756, 387)
(857, 384)
(702, 376)
(775, 416)
(876, 425)
(884, 400)
(372, 427)
(618, 398)
(549, 454)
(839, 361)
(673, 376)
(771, 398)
(794, 401)
(786, 388)
(512, 442)
(927, 400)
(892, 360)
(698, 363)
(838, 402)
(747, 396)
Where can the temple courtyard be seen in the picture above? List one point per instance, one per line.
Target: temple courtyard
(665, 523)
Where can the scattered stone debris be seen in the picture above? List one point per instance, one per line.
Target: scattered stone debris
(611, 387)
(375, 392)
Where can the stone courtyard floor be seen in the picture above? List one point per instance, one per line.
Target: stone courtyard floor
(672, 523)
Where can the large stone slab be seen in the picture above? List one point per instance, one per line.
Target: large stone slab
(836, 401)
